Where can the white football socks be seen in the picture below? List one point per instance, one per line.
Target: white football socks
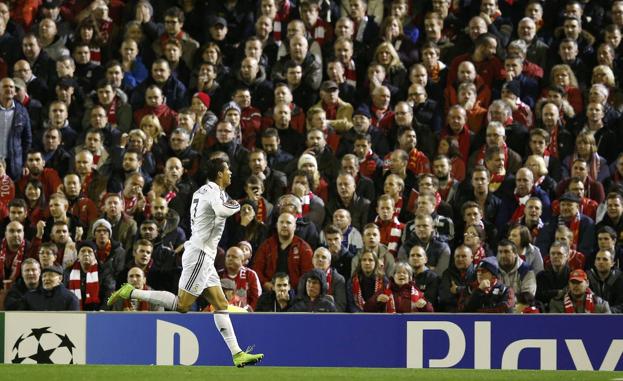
(223, 324)
(159, 298)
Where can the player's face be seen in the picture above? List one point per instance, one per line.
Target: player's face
(226, 176)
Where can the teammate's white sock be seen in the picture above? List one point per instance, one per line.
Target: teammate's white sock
(223, 324)
(159, 298)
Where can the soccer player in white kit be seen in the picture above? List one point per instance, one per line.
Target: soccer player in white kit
(210, 207)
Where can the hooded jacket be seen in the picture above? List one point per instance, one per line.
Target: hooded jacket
(322, 303)
(521, 279)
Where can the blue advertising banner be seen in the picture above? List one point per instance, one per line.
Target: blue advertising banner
(571, 342)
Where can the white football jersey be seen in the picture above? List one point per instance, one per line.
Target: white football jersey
(209, 209)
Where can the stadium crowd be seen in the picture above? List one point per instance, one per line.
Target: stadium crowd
(388, 156)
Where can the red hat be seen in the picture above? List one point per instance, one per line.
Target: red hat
(203, 97)
(578, 275)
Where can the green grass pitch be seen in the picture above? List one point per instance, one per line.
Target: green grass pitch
(259, 373)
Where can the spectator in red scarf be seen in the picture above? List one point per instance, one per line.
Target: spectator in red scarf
(247, 285)
(400, 296)
(367, 279)
(582, 227)
(35, 169)
(336, 284)
(593, 189)
(110, 255)
(391, 229)
(457, 129)
(579, 298)
(155, 104)
(588, 206)
(313, 206)
(87, 281)
(173, 28)
(513, 206)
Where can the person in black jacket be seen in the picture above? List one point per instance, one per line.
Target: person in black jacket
(607, 281)
(280, 299)
(312, 294)
(459, 275)
(27, 283)
(424, 278)
(552, 282)
(52, 296)
(488, 294)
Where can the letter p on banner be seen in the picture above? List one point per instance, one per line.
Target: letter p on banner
(415, 344)
(165, 344)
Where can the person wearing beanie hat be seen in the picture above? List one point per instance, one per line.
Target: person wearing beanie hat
(210, 208)
(513, 86)
(489, 295)
(521, 112)
(362, 126)
(319, 185)
(579, 298)
(306, 161)
(230, 106)
(82, 244)
(109, 253)
(204, 98)
(101, 223)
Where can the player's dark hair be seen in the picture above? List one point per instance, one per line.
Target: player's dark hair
(215, 166)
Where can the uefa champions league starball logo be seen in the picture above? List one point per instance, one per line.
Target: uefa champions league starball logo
(42, 346)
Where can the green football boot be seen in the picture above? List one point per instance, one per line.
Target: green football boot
(243, 358)
(122, 293)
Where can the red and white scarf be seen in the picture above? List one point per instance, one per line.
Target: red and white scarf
(521, 206)
(103, 252)
(357, 293)
(306, 202)
(390, 307)
(281, 17)
(418, 162)
(398, 207)
(15, 264)
(391, 231)
(479, 255)
(463, 137)
(329, 281)
(350, 73)
(91, 288)
(589, 304)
